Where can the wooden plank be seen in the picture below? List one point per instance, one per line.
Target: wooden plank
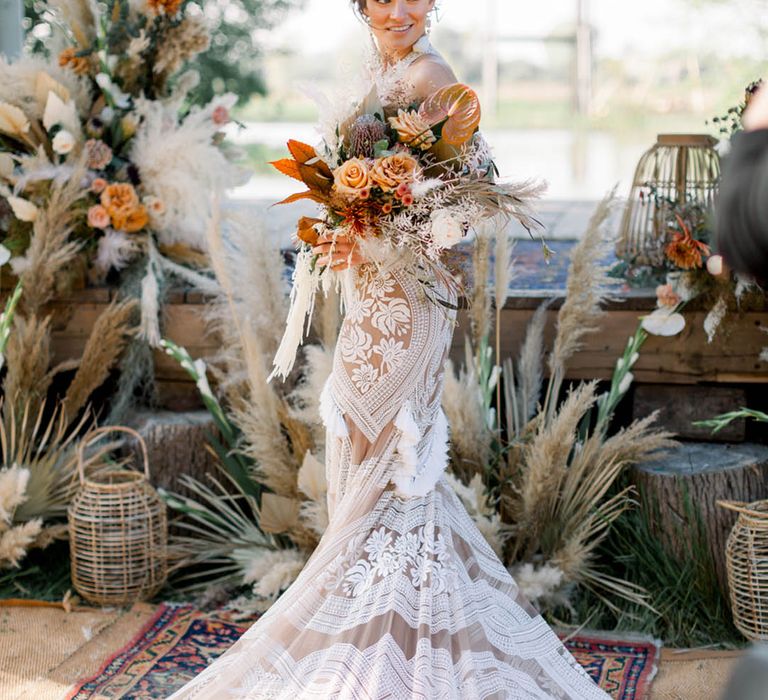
(678, 410)
(688, 358)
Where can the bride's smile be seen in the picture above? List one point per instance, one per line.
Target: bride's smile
(396, 24)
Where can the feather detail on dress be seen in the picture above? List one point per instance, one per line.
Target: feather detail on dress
(333, 418)
(412, 478)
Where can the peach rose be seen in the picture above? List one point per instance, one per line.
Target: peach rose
(119, 196)
(98, 217)
(98, 185)
(351, 177)
(666, 297)
(392, 171)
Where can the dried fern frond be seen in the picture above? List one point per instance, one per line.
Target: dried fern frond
(50, 251)
(40, 438)
(28, 357)
(546, 463)
(480, 300)
(102, 350)
(587, 287)
(219, 520)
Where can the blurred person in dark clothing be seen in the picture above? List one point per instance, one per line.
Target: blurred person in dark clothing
(742, 208)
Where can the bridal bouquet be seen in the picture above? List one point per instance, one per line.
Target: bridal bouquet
(408, 187)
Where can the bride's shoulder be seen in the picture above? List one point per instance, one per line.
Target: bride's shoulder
(428, 73)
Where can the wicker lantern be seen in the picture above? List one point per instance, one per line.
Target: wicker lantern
(683, 168)
(747, 565)
(117, 532)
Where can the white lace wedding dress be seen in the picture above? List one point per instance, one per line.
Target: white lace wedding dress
(403, 597)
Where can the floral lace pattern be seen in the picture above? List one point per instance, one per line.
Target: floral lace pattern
(422, 556)
(376, 310)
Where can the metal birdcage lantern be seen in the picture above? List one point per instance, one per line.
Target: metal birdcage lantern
(678, 168)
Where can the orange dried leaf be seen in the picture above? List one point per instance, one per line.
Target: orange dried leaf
(307, 194)
(302, 152)
(314, 179)
(289, 167)
(458, 107)
(306, 229)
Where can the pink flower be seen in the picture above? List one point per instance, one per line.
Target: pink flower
(98, 185)
(365, 193)
(98, 217)
(99, 154)
(402, 189)
(407, 199)
(666, 297)
(220, 115)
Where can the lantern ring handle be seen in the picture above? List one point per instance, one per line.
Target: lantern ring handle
(90, 438)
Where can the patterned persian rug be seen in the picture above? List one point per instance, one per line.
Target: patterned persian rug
(180, 640)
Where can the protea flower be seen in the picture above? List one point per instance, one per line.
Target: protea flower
(364, 133)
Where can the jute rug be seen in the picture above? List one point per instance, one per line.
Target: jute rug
(693, 675)
(44, 652)
(180, 641)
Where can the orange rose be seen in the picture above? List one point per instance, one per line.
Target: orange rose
(351, 177)
(119, 196)
(391, 171)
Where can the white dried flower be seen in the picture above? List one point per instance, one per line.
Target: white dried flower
(63, 142)
(115, 250)
(535, 583)
(626, 382)
(23, 209)
(664, 322)
(6, 166)
(714, 318)
(446, 230)
(13, 489)
(59, 112)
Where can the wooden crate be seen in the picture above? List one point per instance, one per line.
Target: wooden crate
(684, 359)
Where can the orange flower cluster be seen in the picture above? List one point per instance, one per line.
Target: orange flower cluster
(81, 65)
(166, 7)
(684, 250)
(121, 203)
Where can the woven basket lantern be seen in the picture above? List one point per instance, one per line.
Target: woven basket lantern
(683, 168)
(747, 566)
(118, 532)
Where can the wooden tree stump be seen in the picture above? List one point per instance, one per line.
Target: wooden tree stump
(682, 489)
(176, 443)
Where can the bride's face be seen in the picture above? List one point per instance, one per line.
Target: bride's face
(398, 24)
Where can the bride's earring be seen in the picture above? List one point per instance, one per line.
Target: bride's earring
(428, 24)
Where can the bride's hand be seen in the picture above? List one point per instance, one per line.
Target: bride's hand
(345, 252)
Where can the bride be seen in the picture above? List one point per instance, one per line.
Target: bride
(403, 597)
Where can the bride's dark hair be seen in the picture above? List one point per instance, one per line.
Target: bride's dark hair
(359, 7)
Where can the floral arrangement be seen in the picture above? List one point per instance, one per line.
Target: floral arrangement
(690, 270)
(113, 100)
(409, 186)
